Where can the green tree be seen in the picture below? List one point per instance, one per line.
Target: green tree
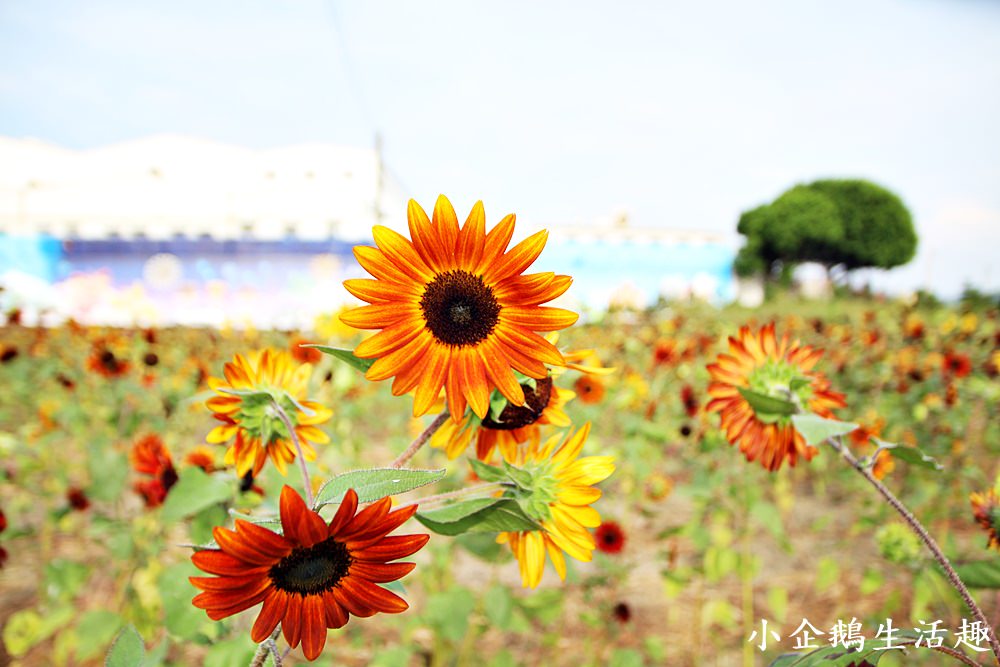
(838, 223)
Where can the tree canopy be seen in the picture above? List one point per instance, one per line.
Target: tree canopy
(849, 223)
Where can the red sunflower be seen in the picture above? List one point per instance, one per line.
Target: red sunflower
(986, 508)
(151, 457)
(314, 575)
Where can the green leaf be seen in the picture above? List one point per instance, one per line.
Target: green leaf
(498, 403)
(486, 472)
(458, 510)
(127, 650)
(346, 356)
(911, 455)
(762, 403)
(520, 477)
(817, 429)
(498, 606)
(375, 484)
(94, 632)
(26, 628)
(108, 473)
(195, 490)
(499, 515)
(449, 612)
(181, 618)
(236, 651)
(799, 383)
(838, 656)
(980, 574)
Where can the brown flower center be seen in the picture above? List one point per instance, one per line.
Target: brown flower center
(312, 570)
(459, 308)
(515, 416)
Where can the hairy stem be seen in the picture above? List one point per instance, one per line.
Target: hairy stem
(283, 416)
(264, 648)
(922, 533)
(421, 440)
(487, 489)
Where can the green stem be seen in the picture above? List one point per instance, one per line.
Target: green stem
(487, 489)
(746, 577)
(922, 533)
(283, 416)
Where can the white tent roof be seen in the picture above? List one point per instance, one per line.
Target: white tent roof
(165, 185)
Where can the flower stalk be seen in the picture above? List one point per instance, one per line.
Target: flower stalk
(299, 454)
(420, 441)
(925, 537)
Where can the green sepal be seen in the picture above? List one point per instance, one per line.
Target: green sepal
(764, 404)
(346, 356)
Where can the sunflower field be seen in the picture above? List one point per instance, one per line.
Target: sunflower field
(683, 485)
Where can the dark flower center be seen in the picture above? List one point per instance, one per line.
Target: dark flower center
(168, 476)
(459, 308)
(313, 569)
(109, 361)
(516, 416)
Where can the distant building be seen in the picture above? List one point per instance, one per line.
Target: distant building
(182, 230)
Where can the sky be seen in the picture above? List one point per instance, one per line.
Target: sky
(682, 115)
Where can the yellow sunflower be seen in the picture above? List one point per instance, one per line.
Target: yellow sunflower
(759, 362)
(561, 494)
(245, 404)
(513, 425)
(455, 310)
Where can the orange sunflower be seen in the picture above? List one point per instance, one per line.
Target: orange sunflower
(245, 404)
(314, 575)
(761, 363)
(455, 310)
(986, 507)
(515, 424)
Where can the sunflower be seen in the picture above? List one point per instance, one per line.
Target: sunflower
(986, 507)
(610, 537)
(884, 464)
(201, 457)
(104, 362)
(314, 575)
(589, 388)
(561, 493)
(151, 457)
(956, 364)
(515, 424)
(250, 417)
(759, 362)
(455, 310)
